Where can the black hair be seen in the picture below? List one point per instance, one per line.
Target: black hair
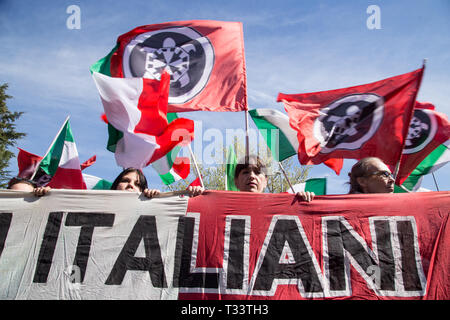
(248, 161)
(142, 180)
(17, 180)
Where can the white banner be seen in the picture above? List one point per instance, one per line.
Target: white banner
(90, 244)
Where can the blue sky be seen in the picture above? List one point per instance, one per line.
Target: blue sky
(290, 46)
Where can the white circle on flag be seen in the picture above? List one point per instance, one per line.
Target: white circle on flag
(184, 53)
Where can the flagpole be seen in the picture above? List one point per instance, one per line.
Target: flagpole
(397, 167)
(247, 147)
(195, 166)
(285, 175)
(50, 147)
(434, 178)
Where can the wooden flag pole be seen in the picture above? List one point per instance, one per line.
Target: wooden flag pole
(196, 167)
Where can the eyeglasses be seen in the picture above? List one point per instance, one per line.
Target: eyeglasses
(382, 173)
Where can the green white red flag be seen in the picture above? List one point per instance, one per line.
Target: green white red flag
(60, 167)
(280, 137)
(136, 109)
(205, 60)
(230, 169)
(435, 160)
(316, 185)
(96, 183)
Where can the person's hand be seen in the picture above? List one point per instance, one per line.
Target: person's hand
(195, 191)
(305, 195)
(40, 191)
(150, 193)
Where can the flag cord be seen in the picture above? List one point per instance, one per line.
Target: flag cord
(195, 166)
(434, 178)
(287, 179)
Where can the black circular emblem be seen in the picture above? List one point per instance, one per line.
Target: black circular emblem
(347, 123)
(186, 55)
(422, 129)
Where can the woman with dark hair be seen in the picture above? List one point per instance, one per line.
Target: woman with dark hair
(371, 175)
(133, 180)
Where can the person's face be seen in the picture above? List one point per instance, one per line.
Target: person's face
(22, 186)
(129, 182)
(378, 179)
(250, 179)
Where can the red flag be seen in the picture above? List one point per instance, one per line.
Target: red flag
(194, 183)
(428, 129)
(27, 163)
(205, 60)
(355, 122)
(89, 162)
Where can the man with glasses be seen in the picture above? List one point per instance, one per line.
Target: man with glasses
(371, 175)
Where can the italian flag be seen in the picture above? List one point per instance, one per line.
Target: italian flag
(60, 167)
(316, 185)
(136, 111)
(276, 131)
(171, 168)
(96, 183)
(280, 137)
(230, 169)
(435, 160)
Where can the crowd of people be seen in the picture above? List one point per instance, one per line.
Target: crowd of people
(368, 175)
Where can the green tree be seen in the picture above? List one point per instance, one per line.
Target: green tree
(8, 135)
(214, 175)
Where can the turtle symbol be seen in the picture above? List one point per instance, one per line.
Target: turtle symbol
(170, 58)
(345, 126)
(348, 122)
(416, 129)
(183, 52)
(422, 129)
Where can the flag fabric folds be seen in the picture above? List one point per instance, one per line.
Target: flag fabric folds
(434, 161)
(136, 109)
(171, 168)
(276, 131)
(316, 185)
(170, 171)
(96, 183)
(354, 122)
(428, 133)
(27, 163)
(205, 60)
(280, 137)
(60, 167)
